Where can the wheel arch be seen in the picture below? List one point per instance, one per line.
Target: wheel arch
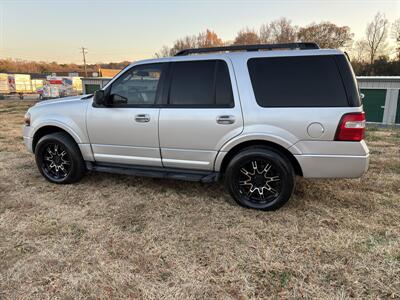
(263, 143)
(48, 129)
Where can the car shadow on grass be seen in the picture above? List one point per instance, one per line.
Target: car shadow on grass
(214, 192)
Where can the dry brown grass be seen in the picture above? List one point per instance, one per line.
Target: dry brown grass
(113, 236)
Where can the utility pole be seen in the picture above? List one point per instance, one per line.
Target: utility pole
(84, 51)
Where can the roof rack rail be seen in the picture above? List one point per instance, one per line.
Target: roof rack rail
(300, 46)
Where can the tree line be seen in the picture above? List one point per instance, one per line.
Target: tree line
(40, 67)
(370, 55)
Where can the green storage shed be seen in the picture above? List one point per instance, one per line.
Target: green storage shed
(381, 98)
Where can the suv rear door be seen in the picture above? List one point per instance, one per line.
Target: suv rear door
(201, 112)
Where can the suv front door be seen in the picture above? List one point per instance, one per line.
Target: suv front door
(126, 132)
(201, 112)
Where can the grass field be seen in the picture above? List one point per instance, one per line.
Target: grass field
(112, 236)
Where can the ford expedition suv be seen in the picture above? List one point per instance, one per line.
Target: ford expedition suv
(255, 116)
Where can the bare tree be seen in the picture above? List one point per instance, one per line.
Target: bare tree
(246, 37)
(282, 31)
(204, 39)
(359, 51)
(396, 36)
(266, 34)
(376, 35)
(326, 35)
(208, 39)
(189, 41)
(164, 52)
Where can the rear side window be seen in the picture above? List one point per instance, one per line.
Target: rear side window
(304, 81)
(203, 83)
(349, 80)
(223, 87)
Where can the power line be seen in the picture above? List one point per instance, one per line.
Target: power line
(84, 52)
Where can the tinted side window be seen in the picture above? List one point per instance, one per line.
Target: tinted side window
(200, 84)
(139, 84)
(349, 80)
(305, 81)
(223, 87)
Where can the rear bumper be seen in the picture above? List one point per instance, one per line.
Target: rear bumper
(334, 159)
(333, 166)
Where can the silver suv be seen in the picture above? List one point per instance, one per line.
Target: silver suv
(249, 115)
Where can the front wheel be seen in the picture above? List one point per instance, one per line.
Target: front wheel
(59, 159)
(260, 178)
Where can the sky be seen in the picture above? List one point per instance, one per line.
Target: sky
(113, 31)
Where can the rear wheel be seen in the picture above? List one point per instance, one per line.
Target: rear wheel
(260, 178)
(59, 159)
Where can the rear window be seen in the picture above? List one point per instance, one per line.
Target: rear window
(204, 83)
(302, 81)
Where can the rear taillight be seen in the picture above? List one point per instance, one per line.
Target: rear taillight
(351, 127)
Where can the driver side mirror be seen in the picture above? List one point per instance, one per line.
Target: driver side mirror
(99, 97)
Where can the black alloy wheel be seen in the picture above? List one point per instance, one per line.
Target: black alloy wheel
(59, 159)
(260, 178)
(56, 162)
(259, 181)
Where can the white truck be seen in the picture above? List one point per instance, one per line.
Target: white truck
(59, 87)
(15, 84)
(7, 84)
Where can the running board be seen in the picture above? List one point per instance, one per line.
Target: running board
(155, 172)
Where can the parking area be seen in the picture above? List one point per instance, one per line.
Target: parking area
(130, 237)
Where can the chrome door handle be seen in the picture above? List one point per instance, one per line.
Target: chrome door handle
(225, 119)
(142, 118)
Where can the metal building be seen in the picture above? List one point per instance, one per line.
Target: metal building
(381, 101)
(92, 84)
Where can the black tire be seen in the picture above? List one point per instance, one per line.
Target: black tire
(55, 165)
(262, 190)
